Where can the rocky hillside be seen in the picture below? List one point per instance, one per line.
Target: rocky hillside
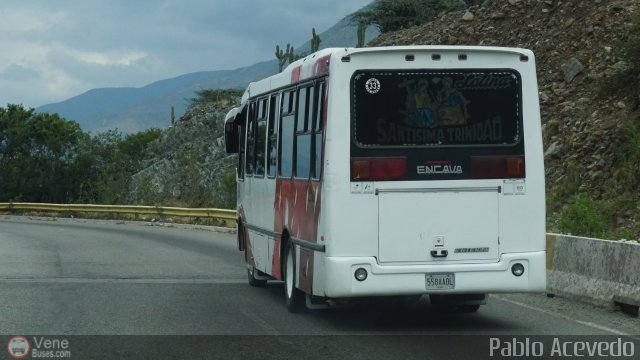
(188, 166)
(577, 44)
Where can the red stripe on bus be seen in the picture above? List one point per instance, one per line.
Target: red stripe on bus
(295, 74)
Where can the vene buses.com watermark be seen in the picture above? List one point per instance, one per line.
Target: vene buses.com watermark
(38, 347)
(559, 347)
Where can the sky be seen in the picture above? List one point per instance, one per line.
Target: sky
(51, 50)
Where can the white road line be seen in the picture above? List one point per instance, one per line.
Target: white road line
(556, 314)
(121, 281)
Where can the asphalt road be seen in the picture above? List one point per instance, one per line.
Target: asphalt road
(70, 277)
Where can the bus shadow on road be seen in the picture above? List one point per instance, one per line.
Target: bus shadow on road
(395, 315)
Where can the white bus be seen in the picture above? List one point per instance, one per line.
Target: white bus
(393, 171)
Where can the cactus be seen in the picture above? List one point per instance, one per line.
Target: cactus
(315, 41)
(362, 27)
(293, 56)
(284, 55)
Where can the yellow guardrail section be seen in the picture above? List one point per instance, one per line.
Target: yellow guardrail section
(222, 214)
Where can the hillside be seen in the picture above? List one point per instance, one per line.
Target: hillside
(187, 165)
(135, 109)
(591, 142)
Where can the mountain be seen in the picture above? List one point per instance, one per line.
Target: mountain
(131, 109)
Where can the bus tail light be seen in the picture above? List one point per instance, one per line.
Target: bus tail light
(497, 167)
(378, 168)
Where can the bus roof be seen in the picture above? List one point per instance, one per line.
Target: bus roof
(317, 63)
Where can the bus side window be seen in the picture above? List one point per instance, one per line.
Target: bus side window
(272, 136)
(287, 132)
(261, 133)
(303, 136)
(251, 137)
(318, 112)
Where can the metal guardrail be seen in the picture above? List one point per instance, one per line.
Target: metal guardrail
(222, 214)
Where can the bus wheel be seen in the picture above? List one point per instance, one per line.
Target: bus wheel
(251, 274)
(292, 295)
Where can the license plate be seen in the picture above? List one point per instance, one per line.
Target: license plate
(442, 281)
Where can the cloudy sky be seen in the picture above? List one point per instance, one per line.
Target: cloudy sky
(51, 50)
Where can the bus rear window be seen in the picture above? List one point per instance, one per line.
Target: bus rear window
(455, 107)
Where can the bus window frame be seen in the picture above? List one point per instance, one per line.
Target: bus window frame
(273, 131)
(353, 115)
(250, 138)
(317, 128)
(290, 111)
(306, 129)
(261, 118)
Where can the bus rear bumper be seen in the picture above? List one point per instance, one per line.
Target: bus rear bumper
(389, 280)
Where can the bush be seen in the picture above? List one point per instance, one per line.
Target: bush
(584, 217)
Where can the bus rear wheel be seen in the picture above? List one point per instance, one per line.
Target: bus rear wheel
(292, 295)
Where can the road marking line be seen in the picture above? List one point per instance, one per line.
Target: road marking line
(121, 281)
(555, 314)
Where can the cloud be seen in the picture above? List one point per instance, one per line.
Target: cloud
(108, 58)
(17, 20)
(52, 50)
(16, 72)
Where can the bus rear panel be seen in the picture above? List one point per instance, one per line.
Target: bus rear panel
(445, 186)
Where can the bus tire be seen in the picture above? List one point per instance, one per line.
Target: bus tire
(293, 296)
(251, 275)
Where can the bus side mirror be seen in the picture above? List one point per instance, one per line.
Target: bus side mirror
(232, 124)
(231, 138)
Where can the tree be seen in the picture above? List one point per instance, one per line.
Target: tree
(39, 156)
(114, 158)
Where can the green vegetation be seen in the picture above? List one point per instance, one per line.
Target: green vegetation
(284, 56)
(608, 206)
(216, 97)
(600, 212)
(584, 216)
(39, 156)
(186, 166)
(362, 29)
(44, 158)
(114, 158)
(315, 41)
(289, 55)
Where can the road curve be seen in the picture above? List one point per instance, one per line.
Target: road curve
(89, 277)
